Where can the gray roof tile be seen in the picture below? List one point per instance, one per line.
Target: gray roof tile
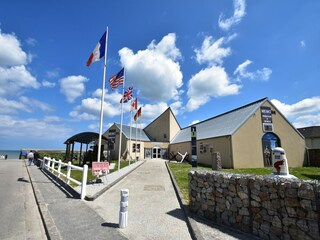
(221, 125)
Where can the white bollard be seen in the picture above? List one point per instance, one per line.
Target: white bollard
(123, 214)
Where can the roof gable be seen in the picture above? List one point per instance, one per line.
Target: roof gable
(164, 127)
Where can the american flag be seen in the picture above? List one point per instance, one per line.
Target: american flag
(127, 95)
(117, 79)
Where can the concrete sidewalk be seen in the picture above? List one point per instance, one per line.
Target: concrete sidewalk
(154, 211)
(65, 216)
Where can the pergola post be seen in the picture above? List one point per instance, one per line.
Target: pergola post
(80, 157)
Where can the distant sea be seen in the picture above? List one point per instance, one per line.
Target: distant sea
(12, 154)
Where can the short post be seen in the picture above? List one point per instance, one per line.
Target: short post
(123, 215)
(216, 162)
(84, 181)
(43, 162)
(59, 168)
(52, 165)
(68, 173)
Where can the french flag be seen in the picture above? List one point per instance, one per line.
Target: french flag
(98, 51)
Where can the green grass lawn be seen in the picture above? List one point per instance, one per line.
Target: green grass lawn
(180, 173)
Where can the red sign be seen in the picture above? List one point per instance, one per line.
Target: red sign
(100, 168)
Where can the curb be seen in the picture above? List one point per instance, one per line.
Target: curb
(48, 223)
(92, 198)
(193, 228)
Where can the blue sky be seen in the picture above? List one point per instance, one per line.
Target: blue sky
(201, 58)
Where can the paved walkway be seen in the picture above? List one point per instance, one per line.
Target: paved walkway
(154, 211)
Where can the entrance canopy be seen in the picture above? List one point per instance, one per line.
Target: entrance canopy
(84, 137)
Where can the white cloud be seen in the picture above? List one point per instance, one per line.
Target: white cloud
(24, 104)
(34, 104)
(31, 41)
(305, 106)
(90, 109)
(209, 82)
(12, 106)
(176, 107)
(239, 13)
(48, 84)
(307, 121)
(53, 73)
(72, 87)
(212, 52)
(14, 80)
(303, 113)
(11, 53)
(33, 128)
(152, 111)
(194, 122)
(242, 72)
(52, 119)
(302, 44)
(155, 70)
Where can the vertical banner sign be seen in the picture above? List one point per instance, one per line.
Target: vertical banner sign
(194, 146)
(266, 117)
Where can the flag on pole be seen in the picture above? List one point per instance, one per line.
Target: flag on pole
(98, 51)
(127, 95)
(134, 105)
(137, 115)
(117, 79)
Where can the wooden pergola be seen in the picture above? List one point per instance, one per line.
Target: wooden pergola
(83, 138)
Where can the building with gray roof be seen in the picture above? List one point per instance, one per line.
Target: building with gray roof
(240, 136)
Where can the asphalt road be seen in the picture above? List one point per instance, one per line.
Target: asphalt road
(19, 213)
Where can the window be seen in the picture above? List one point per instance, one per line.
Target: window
(134, 147)
(165, 136)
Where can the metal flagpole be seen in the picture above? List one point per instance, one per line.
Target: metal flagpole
(102, 96)
(140, 137)
(136, 140)
(130, 132)
(121, 118)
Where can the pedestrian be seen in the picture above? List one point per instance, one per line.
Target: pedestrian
(36, 156)
(30, 157)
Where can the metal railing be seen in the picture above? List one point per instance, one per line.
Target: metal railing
(50, 164)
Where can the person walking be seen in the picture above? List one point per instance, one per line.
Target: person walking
(36, 156)
(30, 157)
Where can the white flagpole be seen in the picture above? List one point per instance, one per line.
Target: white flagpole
(136, 140)
(121, 118)
(140, 136)
(102, 97)
(130, 132)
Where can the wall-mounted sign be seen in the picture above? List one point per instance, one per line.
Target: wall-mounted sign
(194, 146)
(266, 117)
(112, 134)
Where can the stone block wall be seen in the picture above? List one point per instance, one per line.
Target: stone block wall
(267, 207)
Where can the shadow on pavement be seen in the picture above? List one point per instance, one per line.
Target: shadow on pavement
(21, 179)
(66, 189)
(113, 225)
(177, 213)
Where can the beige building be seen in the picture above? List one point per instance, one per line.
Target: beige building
(244, 137)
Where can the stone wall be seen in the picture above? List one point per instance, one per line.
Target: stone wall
(269, 208)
